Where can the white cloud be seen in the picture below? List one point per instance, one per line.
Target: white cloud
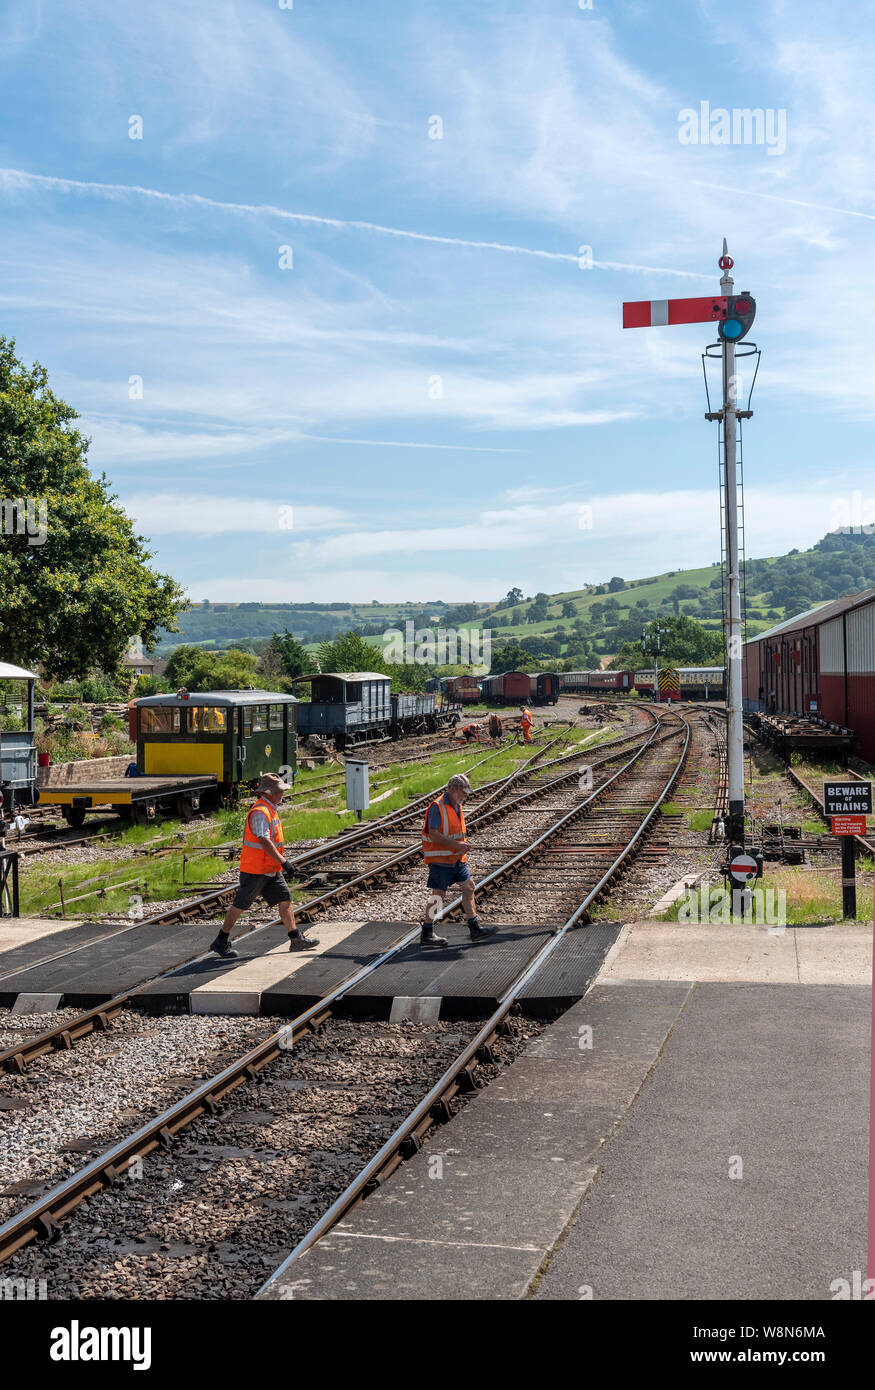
(161, 513)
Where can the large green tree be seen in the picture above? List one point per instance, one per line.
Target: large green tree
(75, 580)
(285, 654)
(198, 670)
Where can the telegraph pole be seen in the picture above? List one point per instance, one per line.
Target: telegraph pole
(734, 721)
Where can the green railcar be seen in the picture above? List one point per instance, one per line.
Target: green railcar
(194, 749)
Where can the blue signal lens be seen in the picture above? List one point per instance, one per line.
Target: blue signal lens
(732, 328)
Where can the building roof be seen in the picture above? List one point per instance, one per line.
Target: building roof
(222, 697)
(346, 676)
(16, 673)
(820, 613)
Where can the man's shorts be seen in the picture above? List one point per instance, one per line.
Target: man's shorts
(272, 887)
(443, 876)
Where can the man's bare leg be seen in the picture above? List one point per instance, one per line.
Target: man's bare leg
(231, 917)
(287, 917)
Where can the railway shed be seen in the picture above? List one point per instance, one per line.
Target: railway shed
(820, 665)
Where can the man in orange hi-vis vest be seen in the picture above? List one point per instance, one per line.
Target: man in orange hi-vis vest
(526, 724)
(445, 850)
(261, 864)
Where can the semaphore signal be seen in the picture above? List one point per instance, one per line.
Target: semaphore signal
(734, 315)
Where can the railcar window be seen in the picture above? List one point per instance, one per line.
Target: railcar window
(276, 716)
(247, 721)
(259, 719)
(207, 719)
(157, 720)
(353, 692)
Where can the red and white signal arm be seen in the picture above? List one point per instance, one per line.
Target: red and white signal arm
(742, 867)
(657, 313)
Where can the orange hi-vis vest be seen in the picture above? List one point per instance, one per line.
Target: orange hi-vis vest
(452, 825)
(254, 859)
(526, 716)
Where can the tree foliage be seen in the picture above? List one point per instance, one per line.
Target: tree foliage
(74, 601)
(198, 670)
(683, 642)
(289, 656)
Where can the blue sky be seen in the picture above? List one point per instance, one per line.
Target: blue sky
(431, 382)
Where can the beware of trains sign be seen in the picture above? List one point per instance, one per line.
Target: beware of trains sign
(847, 798)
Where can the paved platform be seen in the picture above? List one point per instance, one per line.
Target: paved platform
(815, 955)
(170, 966)
(667, 1138)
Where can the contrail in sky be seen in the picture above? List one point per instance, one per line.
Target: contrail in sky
(116, 191)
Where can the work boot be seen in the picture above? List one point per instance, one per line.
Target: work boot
(428, 939)
(222, 947)
(478, 932)
(299, 942)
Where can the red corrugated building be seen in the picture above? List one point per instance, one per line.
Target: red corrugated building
(820, 662)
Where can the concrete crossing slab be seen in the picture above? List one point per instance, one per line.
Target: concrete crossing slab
(239, 990)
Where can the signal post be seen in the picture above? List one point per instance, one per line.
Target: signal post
(734, 315)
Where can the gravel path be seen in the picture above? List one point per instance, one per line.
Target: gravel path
(75, 1103)
(213, 1216)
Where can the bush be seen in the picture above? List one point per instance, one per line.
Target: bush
(96, 690)
(152, 685)
(109, 723)
(78, 717)
(46, 742)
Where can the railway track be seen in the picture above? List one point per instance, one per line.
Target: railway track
(657, 764)
(64, 1035)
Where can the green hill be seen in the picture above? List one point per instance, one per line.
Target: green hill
(586, 626)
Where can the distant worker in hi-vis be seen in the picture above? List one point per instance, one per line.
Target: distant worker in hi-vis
(261, 869)
(526, 724)
(445, 849)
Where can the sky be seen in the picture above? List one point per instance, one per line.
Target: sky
(336, 287)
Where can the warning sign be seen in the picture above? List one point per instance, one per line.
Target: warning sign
(742, 867)
(847, 798)
(848, 825)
